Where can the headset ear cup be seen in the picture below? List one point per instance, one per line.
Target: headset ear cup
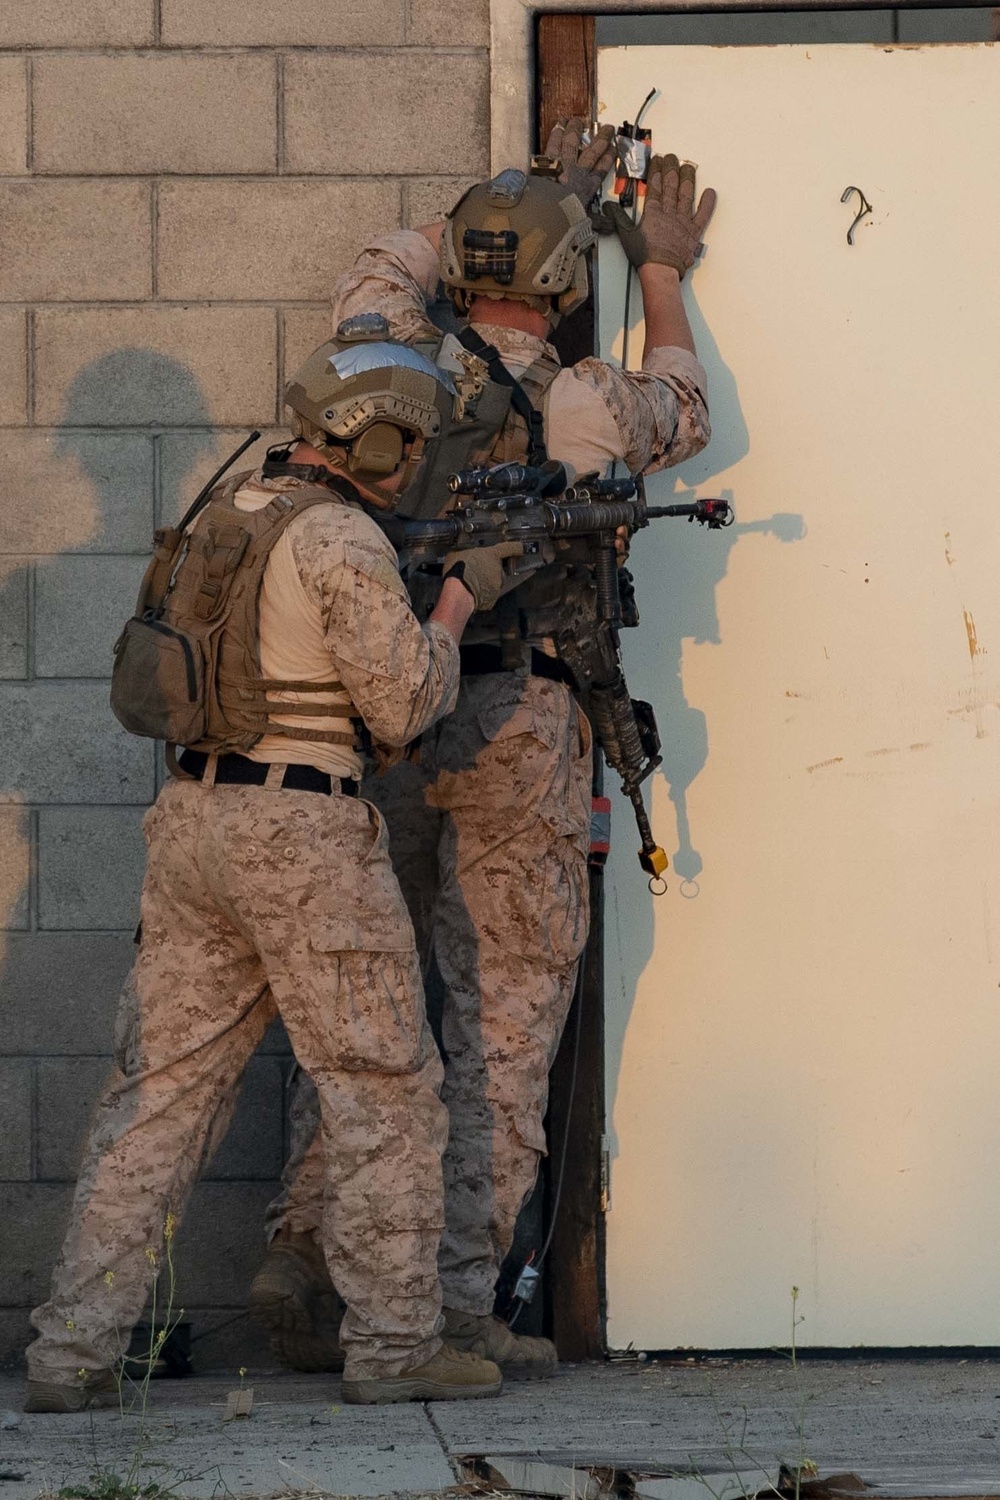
(379, 450)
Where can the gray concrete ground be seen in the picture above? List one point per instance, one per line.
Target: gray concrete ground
(908, 1429)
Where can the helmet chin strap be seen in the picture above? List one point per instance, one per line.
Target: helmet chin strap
(277, 465)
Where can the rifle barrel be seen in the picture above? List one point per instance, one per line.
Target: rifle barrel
(715, 513)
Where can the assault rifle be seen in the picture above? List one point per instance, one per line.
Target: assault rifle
(577, 525)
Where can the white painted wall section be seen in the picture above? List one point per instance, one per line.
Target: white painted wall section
(804, 1033)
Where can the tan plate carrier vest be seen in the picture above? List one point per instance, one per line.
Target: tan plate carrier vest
(492, 430)
(187, 665)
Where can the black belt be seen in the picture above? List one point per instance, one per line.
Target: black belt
(477, 661)
(237, 770)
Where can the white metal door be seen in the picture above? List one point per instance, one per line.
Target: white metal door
(804, 1033)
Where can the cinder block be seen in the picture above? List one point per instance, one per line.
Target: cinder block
(59, 742)
(81, 604)
(15, 872)
(73, 491)
(223, 1343)
(189, 459)
(266, 240)
(16, 1334)
(221, 1242)
(16, 1086)
(60, 992)
(13, 619)
(34, 1217)
(68, 1088)
(76, 23)
(432, 199)
(305, 329)
(91, 862)
(449, 23)
(252, 1148)
(75, 240)
(295, 23)
(13, 365)
(67, 1092)
(172, 366)
(155, 112)
(447, 99)
(13, 113)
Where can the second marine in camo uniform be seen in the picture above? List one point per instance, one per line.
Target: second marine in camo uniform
(490, 823)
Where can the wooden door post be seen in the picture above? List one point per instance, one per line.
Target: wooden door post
(575, 1273)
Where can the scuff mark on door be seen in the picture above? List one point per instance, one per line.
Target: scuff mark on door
(970, 630)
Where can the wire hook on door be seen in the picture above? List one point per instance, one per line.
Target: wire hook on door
(865, 208)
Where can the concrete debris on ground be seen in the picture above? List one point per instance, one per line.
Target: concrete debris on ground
(652, 1430)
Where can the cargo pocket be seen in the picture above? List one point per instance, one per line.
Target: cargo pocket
(506, 718)
(368, 1009)
(369, 1015)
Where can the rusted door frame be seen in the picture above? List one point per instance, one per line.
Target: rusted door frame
(575, 1281)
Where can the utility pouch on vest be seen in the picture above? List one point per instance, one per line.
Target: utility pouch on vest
(158, 682)
(187, 665)
(166, 655)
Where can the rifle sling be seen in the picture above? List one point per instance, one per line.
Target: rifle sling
(499, 373)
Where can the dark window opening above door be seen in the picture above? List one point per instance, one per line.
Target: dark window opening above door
(980, 23)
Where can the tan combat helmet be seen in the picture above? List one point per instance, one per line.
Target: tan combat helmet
(521, 237)
(370, 394)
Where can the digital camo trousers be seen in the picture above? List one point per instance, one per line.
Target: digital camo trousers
(260, 901)
(490, 833)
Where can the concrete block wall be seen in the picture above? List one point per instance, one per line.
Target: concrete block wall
(180, 183)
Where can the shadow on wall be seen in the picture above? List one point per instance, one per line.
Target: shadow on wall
(677, 568)
(82, 504)
(137, 388)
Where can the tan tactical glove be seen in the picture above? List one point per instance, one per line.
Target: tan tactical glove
(670, 230)
(584, 167)
(482, 572)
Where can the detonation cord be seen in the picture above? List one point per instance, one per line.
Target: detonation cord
(635, 216)
(536, 1262)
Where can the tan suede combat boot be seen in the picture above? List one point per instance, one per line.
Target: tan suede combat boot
(448, 1376)
(99, 1389)
(519, 1356)
(294, 1298)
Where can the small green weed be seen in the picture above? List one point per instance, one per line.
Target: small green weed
(742, 1465)
(127, 1478)
(108, 1486)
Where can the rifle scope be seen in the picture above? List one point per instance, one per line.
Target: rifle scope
(509, 479)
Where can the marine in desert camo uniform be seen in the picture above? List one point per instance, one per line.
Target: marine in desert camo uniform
(269, 890)
(490, 824)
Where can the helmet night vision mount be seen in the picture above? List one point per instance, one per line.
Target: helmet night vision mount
(518, 236)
